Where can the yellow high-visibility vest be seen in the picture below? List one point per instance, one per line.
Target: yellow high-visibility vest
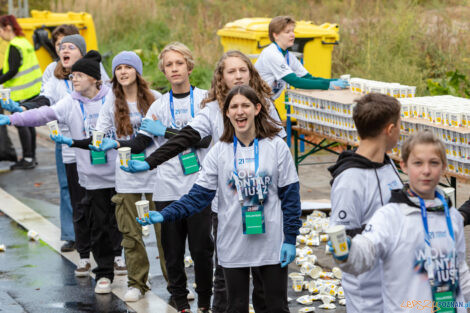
(27, 82)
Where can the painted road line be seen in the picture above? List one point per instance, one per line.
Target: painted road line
(50, 234)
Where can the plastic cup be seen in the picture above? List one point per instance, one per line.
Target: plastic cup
(346, 77)
(2, 248)
(297, 283)
(5, 94)
(142, 208)
(97, 137)
(124, 155)
(32, 235)
(338, 238)
(53, 128)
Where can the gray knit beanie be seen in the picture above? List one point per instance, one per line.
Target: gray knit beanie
(77, 40)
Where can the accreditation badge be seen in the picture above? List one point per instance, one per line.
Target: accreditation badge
(138, 156)
(253, 220)
(189, 162)
(442, 297)
(98, 157)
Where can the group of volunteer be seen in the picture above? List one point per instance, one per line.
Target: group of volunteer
(216, 171)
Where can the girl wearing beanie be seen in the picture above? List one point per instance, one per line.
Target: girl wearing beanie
(79, 111)
(120, 117)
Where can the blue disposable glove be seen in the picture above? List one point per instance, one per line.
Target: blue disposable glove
(62, 139)
(4, 120)
(105, 145)
(287, 254)
(11, 106)
(339, 84)
(332, 250)
(136, 166)
(154, 217)
(155, 128)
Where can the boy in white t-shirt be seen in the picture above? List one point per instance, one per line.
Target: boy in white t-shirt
(278, 67)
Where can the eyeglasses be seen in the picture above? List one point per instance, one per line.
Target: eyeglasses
(67, 47)
(76, 76)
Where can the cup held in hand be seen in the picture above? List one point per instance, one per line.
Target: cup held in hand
(338, 239)
(124, 156)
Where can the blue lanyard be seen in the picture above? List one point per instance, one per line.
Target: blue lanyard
(83, 110)
(172, 106)
(427, 236)
(68, 88)
(287, 53)
(235, 171)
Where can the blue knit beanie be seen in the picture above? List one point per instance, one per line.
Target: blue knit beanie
(128, 58)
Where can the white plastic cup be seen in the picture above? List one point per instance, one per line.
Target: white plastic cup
(124, 156)
(5, 94)
(97, 138)
(142, 208)
(32, 235)
(338, 239)
(346, 77)
(297, 283)
(53, 128)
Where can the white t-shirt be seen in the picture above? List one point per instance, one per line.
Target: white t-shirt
(172, 183)
(48, 73)
(395, 234)
(210, 122)
(68, 112)
(355, 197)
(272, 66)
(127, 182)
(276, 169)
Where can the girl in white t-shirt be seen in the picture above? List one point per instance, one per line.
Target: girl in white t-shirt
(120, 118)
(258, 201)
(419, 237)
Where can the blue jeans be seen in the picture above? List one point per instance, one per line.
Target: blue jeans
(66, 212)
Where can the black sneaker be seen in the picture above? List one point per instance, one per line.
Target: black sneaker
(23, 165)
(204, 310)
(68, 246)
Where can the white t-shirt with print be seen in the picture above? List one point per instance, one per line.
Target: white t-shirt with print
(210, 122)
(141, 182)
(171, 183)
(272, 67)
(68, 112)
(276, 169)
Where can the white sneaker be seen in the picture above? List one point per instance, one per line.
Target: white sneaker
(132, 295)
(120, 266)
(146, 230)
(83, 268)
(103, 285)
(190, 296)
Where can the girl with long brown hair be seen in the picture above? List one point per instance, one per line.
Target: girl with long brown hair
(120, 117)
(258, 202)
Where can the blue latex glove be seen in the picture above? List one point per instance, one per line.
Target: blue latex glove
(339, 84)
(62, 139)
(287, 254)
(136, 166)
(154, 217)
(4, 120)
(11, 106)
(332, 250)
(155, 128)
(105, 145)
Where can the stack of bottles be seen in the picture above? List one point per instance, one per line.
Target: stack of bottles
(363, 86)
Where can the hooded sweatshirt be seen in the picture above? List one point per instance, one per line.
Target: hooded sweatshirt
(359, 188)
(80, 123)
(395, 235)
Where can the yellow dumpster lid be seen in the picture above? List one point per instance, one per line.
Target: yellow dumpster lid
(258, 26)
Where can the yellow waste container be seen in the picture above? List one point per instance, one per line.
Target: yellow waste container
(313, 43)
(38, 29)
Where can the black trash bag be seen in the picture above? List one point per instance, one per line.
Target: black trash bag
(7, 151)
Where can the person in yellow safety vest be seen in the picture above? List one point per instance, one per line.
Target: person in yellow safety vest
(21, 74)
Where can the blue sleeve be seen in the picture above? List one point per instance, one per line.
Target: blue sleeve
(290, 205)
(195, 201)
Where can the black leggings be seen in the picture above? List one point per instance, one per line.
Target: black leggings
(274, 282)
(28, 141)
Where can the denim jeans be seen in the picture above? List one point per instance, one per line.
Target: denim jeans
(66, 211)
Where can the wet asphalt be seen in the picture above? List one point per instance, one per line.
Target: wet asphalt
(35, 278)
